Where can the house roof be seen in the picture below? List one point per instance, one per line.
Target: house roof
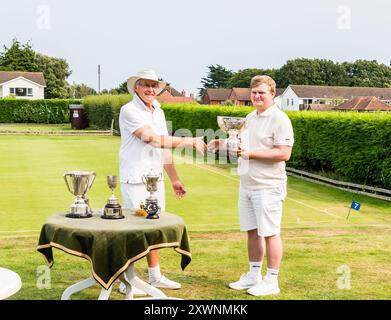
(172, 99)
(172, 91)
(36, 77)
(242, 94)
(279, 91)
(306, 91)
(363, 104)
(219, 94)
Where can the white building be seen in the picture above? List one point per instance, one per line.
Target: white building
(22, 85)
(304, 97)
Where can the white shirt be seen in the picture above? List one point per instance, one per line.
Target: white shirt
(136, 157)
(264, 131)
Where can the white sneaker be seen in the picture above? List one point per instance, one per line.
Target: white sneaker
(246, 281)
(265, 288)
(136, 291)
(166, 283)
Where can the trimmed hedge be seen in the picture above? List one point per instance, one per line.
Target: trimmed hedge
(35, 111)
(354, 146)
(102, 109)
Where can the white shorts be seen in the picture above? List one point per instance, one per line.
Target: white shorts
(261, 209)
(135, 193)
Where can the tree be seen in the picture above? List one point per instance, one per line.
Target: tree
(311, 72)
(364, 73)
(79, 91)
(242, 78)
(18, 57)
(121, 89)
(55, 71)
(217, 77)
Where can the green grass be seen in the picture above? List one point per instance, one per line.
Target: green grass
(317, 237)
(34, 127)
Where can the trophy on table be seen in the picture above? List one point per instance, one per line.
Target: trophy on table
(112, 209)
(151, 204)
(233, 126)
(78, 183)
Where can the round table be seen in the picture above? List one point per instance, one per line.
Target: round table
(112, 246)
(10, 283)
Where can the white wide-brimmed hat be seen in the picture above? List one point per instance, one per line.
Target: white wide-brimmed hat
(148, 75)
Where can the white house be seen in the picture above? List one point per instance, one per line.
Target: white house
(22, 85)
(304, 97)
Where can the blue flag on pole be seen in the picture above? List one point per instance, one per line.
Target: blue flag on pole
(355, 205)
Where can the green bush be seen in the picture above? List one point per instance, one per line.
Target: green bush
(35, 111)
(354, 146)
(102, 109)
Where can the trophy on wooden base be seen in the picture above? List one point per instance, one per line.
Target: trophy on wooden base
(112, 209)
(151, 205)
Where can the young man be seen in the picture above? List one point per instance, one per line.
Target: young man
(144, 147)
(266, 144)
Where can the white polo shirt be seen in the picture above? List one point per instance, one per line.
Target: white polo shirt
(264, 131)
(136, 157)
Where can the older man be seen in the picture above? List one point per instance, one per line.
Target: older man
(145, 145)
(266, 145)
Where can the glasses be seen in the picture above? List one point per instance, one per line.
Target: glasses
(150, 85)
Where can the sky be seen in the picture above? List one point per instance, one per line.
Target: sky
(179, 39)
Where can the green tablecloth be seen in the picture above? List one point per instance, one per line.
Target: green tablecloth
(111, 245)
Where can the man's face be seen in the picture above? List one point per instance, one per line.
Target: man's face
(147, 90)
(261, 96)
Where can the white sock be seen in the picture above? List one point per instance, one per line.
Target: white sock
(272, 274)
(154, 273)
(255, 267)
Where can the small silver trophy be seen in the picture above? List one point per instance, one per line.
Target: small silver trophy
(151, 204)
(78, 183)
(233, 126)
(112, 209)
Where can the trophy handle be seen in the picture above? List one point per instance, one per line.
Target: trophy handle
(143, 179)
(91, 182)
(66, 182)
(160, 176)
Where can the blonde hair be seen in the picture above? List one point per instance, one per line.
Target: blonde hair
(257, 80)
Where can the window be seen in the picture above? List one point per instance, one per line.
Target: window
(291, 102)
(21, 92)
(287, 101)
(29, 92)
(12, 90)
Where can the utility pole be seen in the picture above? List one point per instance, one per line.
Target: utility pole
(98, 78)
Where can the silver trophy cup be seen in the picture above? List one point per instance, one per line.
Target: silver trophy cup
(151, 204)
(112, 209)
(233, 126)
(78, 183)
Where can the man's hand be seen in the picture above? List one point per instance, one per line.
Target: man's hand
(216, 144)
(199, 145)
(245, 154)
(179, 189)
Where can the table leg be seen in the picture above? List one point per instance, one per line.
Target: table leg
(105, 294)
(77, 287)
(130, 279)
